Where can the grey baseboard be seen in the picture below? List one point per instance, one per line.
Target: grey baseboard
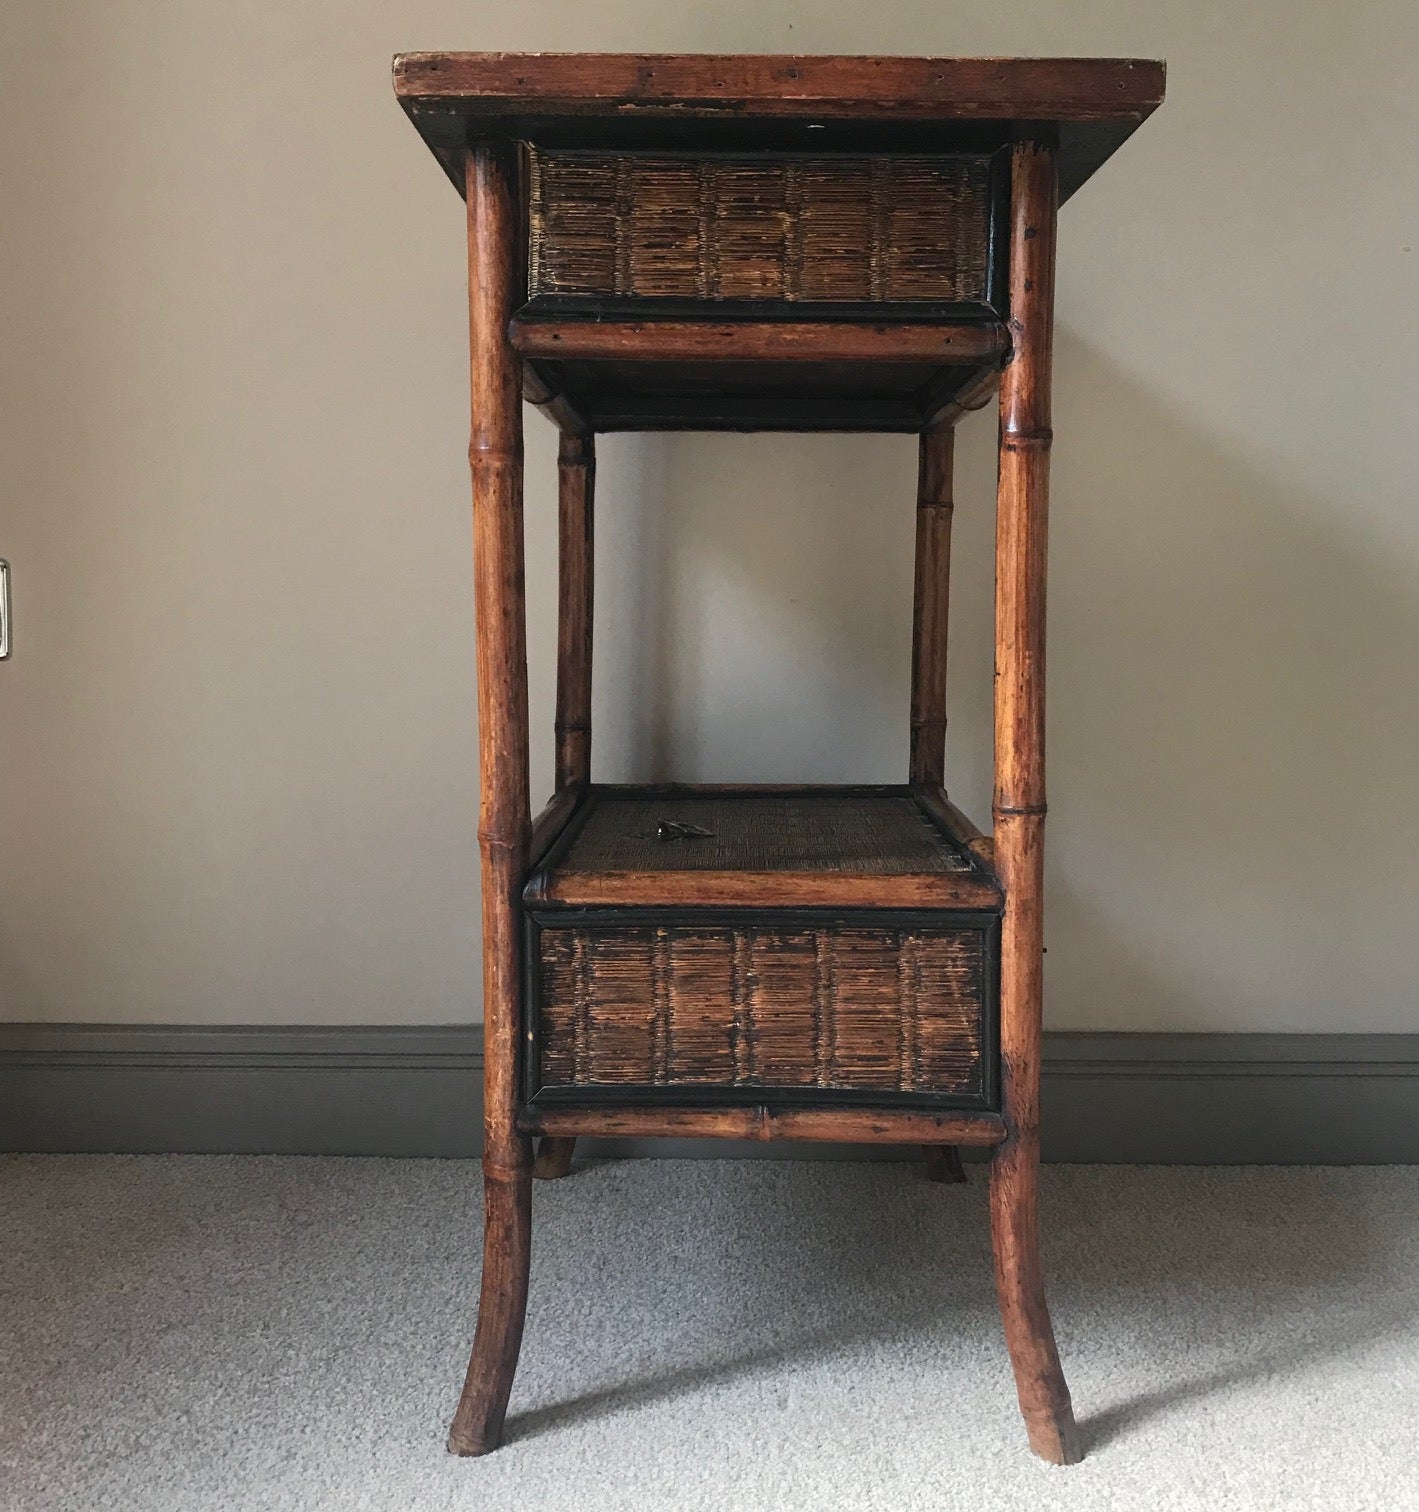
(1167, 1098)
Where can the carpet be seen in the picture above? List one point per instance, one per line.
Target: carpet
(208, 1332)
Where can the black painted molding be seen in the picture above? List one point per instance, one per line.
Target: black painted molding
(1195, 1098)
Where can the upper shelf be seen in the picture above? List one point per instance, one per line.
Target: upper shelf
(1091, 105)
(766, 243)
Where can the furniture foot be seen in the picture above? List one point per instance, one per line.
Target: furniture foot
(943, 1164)
(1029, 1335)
(1054, 1436)
(554, 1158)
(502, 1305)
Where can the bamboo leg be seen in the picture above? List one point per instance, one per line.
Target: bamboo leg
(495, 454)
(502, 1306)
(931, 600)
(1019, 807)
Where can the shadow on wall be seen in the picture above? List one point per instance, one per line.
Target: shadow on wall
(1234, 811)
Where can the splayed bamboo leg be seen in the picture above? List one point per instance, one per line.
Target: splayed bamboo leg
(1021, 522)
(502, 1306)
(495, 454)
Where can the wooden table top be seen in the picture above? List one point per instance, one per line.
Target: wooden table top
(664, 100)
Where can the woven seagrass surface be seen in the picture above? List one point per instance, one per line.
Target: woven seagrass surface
(887, 229)
(868, 833)
(830, 1007)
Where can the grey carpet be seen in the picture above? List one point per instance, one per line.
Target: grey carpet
(185, 1333)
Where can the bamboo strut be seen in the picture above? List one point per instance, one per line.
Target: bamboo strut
(935, 504)
(934, 507)
(556, 406)
(576, 481)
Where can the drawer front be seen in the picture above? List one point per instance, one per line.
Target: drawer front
(725, 1011)
(764, 229)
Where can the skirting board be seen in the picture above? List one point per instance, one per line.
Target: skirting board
(1152, 1098)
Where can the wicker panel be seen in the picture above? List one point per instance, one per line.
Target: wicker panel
(827, 1007)
(870, 833)
(794, 229)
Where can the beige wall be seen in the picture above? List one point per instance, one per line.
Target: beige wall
(237, 734)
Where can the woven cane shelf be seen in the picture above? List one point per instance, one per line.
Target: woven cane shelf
(665, 242)
(807, 846)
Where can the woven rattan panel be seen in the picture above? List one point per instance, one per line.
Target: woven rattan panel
(871, 833)
(832, 1007)
(796, 229)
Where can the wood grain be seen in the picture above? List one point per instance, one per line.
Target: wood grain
(629, 340)
(872, 1126)
(961, 890)
(1090, 106)
(688, 84)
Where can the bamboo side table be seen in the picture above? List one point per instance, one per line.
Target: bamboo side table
(757, 243)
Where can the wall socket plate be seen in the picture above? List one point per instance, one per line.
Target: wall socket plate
(4, 610)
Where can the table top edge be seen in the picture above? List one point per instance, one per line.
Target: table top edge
(939, 88)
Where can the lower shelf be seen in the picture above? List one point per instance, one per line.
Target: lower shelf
(671, 998)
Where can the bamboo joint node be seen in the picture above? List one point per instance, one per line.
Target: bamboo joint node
(507, 1172)
(491, 840)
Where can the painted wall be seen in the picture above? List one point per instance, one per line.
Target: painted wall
(237, 734)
